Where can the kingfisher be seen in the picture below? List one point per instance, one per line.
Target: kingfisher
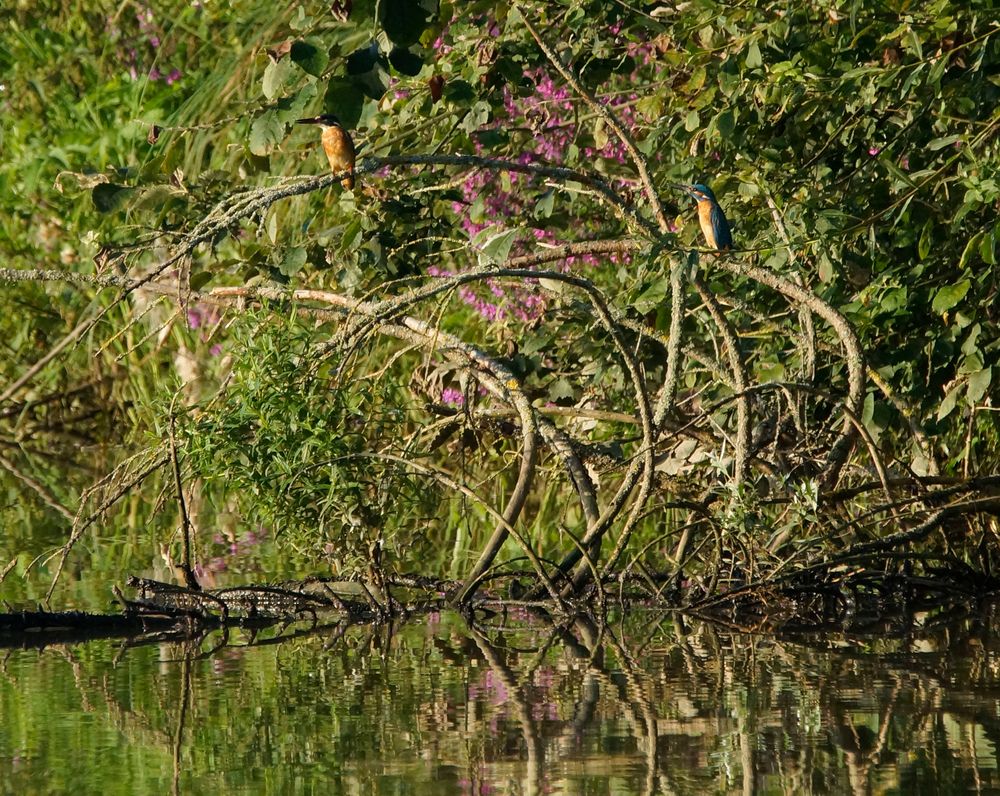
(337, 144)
(713, 221)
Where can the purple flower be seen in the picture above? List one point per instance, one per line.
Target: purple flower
(452, 397)
(874, 150)
(173, 77)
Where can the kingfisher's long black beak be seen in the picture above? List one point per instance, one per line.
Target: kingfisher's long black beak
(310, 120)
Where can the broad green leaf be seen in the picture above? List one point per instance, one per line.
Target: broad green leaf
(199, 279)
(288, 109)
(310, 56)
(266, 132)
(970, 248)
(987, 249)
(979, 382)
(108, 197)
(560, 389)
(652, 296)
(949, 402)
(156, 197)
(406, 62)
(345, 99)
(948, 296)
(824, 268)
(544, 205)
(404, 21)
(725, 123)
(292, 260)
(493, 246)
(275, 76)
(271, 227)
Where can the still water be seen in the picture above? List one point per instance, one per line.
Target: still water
(653, 704)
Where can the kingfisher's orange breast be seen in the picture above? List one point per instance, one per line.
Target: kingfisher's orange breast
(705, 219)
(339, 150)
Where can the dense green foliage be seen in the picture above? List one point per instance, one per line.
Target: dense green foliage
(853, 146)
(292, 442)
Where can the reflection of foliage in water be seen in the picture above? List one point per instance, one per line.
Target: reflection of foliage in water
(442, 708)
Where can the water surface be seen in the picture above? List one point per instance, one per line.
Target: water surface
(653, 704)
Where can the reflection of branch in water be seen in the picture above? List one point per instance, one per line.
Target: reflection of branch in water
(181, 716)
(516, 695)
(636, 691)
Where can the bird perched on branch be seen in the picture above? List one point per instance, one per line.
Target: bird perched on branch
(337, 144)
(713, 221)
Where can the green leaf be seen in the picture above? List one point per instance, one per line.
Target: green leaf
(292, 260)
(156, 197)
(275, 76)
(926, 239)
(560, 389)
(970, 248)
(651, 106)
(271, 227)
(404, 21)
(493, 246)
(108, 197)
(979, 382)
(199, 279)
(478, 115)
(825, 268)
(600, 134)
(949, 402)
(692, 121)
(941, 143)
(345, 99)
(288, 109)
(311, 57)
(459, 91)
(406, 62)
(753, 59)
(363, 59)
(948, 296)
(544, 205)
(651, 297)
(266, 132)
(725, 123)
(987, 249)
(368, 69)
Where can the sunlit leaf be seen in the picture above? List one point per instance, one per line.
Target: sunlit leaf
(266, 132)
(948, 296)
(493, 245)
(275, 76)
(292, 260)
(979, 383)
